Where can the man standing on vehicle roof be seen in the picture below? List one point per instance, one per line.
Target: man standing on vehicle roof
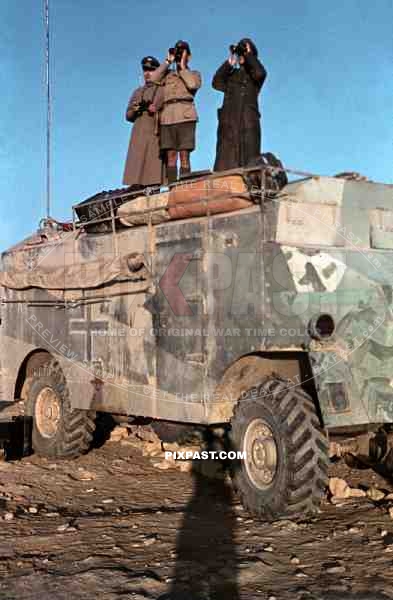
(239, 132)
(144, 166)
(178, 116)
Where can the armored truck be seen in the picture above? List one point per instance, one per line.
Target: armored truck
(226, 301)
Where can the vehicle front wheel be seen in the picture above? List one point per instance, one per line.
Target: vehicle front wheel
(58, 430)
(284, 472)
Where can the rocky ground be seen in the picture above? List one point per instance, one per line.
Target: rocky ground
(122, 523)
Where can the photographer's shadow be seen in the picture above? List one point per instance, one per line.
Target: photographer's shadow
(206, 562)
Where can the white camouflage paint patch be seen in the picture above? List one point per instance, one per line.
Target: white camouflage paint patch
(330, 270)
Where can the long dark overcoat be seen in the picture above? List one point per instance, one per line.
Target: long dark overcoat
(239, 130)
(143, 164)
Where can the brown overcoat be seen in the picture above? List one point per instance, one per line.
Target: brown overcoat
(143, 164)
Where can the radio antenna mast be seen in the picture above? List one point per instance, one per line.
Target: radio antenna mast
(48, 105)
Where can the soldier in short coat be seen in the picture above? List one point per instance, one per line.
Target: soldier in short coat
(178, 114)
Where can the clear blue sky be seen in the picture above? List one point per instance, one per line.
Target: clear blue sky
(327, 102)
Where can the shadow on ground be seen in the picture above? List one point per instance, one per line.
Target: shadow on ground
(206, 558)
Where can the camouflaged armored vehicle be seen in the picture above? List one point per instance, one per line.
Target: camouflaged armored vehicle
(226, 302)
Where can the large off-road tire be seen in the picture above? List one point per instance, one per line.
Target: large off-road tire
(59, 431)
(284, 473)
(34, 368)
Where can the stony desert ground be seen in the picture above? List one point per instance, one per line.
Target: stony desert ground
(121, 522)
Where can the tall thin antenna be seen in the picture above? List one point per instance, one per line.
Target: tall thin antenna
(48, 115)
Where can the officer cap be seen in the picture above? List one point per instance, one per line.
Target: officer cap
(149, 63)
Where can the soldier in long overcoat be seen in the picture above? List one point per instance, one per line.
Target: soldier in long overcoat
(239, 130)
(144, 166)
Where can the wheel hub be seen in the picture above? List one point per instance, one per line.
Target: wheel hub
(261, 453)
(47, 412)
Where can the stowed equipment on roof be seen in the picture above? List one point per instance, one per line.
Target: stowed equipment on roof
(198, 194)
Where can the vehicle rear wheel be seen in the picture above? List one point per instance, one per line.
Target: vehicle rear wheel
(284, 473)
(58, 429)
